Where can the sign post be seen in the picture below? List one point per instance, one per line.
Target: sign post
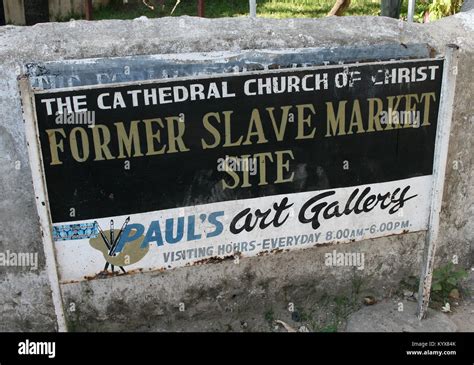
(200, 7)
(439, 171)
(411, 10)
(41, 199)
(253, 8)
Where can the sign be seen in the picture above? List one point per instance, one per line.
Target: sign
(159, 174)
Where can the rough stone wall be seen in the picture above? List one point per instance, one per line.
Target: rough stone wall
(222, 296)
(467, 5)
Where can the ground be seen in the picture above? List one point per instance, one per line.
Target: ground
(348, 312)
(351, 314)
(385, 316)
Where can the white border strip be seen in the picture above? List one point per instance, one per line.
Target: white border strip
(445, 114)
(42, 204)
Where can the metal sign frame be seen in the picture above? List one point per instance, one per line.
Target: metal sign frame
(445, 113)
(439, 169)
(41, 197)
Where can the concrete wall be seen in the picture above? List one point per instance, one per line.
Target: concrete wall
(222, 296)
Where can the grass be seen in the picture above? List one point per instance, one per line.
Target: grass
(269, 316)
(235, 8)
(232, 8)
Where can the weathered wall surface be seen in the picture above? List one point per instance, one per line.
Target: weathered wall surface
(467, 5)
(221, 296)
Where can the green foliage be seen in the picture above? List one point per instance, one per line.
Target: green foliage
(268, 8)
(445, 279)
(441, 8)
(329, 328)
(233, 8)
(269, 316)
(432, 9)
(337, 311)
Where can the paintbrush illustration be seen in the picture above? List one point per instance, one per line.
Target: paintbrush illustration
(115, 243)
(107, 244)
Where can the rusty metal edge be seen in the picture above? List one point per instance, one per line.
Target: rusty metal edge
(41, 197)
(445, 114)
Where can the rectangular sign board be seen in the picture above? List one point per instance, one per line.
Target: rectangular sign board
(160, 174)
